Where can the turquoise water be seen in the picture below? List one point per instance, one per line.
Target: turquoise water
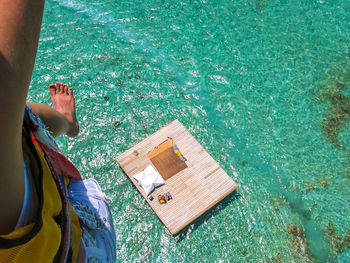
(262, 85)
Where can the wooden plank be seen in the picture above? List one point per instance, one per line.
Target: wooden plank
(159, 149)
(168, 163)
(194, 189)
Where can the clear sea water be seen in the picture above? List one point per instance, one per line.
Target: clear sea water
(263, 85)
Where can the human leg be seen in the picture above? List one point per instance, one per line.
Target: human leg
(20, 23)
(61, 119)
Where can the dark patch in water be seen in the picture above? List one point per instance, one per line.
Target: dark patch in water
(260, 5)
(120, 82)
(277, 258)
(340, 112)
(292, 187)
(321, 182)
(277, 202)
(116, 123)
(309, 186)
(339, 106)
(337, 242)
(136, 75)
(299, 243)
(106, 97)
(139, 95)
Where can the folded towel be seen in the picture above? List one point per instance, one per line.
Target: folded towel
(148, 179)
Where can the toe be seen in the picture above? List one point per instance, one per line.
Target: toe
(52, 89)
(65, 88)
(61, 87)
(58, 87)
(71, 92)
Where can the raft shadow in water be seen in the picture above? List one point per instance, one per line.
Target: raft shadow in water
(215, 210)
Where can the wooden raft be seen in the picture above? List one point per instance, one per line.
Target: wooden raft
(195, 185)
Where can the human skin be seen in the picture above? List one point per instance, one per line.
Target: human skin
(60, 120)
(20, 23)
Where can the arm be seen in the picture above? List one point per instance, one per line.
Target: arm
(20, 22)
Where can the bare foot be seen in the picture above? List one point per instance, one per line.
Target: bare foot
(63, 102)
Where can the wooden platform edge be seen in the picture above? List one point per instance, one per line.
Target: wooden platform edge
(176, 231)
(195, 217)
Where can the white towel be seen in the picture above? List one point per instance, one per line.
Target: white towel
(148, 179)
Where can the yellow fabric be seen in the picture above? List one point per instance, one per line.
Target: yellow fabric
(20, 232)
(44, 245)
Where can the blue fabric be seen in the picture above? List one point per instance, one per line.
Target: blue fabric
(25, 215)
(26, 201)
(91, 206)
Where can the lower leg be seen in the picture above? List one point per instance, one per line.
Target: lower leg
(54, 121)
(61, 119)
